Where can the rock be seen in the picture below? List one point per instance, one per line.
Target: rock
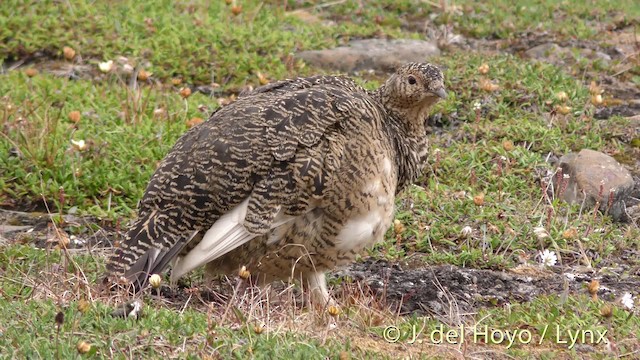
(556, 54)
(547, 51)
(371, 54)
(634, 213)
(628, 110)
(600, 177)
(305, 16)
(6, 228)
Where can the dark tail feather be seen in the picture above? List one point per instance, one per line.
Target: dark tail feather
(144, 251)
(133, 249)
(165, 257)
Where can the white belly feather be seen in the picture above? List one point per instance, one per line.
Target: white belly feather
(367, 229)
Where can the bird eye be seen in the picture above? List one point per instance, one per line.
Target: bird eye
(411, 80)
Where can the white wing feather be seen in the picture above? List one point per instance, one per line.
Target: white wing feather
(225, 235)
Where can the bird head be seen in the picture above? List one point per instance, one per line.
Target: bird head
(413, 89)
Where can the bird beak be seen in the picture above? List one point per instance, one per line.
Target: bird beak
(441, 93)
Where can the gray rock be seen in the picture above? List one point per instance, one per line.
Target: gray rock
(543, 51)
(5, 228)
(371, 54)
(634, 121)
(634, 213)
(596, 177)
(556, 54)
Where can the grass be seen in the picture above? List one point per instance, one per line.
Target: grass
(31, 303)
(483, 175)
(501, 19)
(113, 118)
(545, 322)
(159, 333)
(200, 42)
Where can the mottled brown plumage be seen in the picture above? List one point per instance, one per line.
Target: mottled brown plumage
(290, 180)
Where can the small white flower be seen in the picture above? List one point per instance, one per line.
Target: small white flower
(155, 280)
(597, 100)
(477, 105)
(106, 66)
(466, 231)
(76, 241)
(135, 308)
(566, 176)
(547, 258)
(122, 60)
(627, 301)
(80, 144)
(127, 69)
(541, 232)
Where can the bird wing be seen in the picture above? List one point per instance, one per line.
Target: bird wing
(226, 234)
(282, 86)
(254, 165)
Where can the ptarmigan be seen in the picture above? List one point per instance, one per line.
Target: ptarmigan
(291, 180)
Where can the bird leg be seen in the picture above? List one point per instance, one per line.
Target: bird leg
(318, 293)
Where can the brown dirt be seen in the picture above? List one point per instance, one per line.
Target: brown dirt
(438, 290)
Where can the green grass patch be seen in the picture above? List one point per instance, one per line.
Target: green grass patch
(202, 41)
(37, 285)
